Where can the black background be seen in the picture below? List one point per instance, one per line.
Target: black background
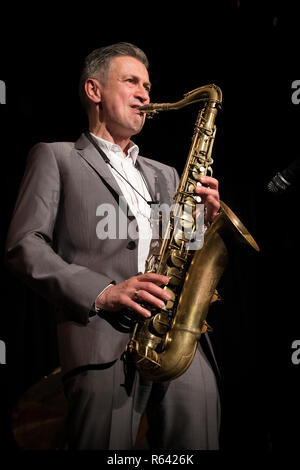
(250, 51)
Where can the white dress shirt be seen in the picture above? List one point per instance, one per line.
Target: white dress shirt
(137, 205)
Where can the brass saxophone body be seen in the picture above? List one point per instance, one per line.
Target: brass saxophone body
(163, 346)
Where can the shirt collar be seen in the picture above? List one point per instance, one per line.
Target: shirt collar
(107, 146)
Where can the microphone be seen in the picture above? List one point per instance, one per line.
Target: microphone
(285, 179)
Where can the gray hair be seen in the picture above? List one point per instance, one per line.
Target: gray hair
(96, 64)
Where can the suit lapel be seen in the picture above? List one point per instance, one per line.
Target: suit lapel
(87, 151)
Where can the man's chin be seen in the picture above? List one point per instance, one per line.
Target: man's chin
(138, 126)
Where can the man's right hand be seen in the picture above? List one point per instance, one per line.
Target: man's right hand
(142, 288)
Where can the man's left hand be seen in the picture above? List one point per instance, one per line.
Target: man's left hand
(209, 193)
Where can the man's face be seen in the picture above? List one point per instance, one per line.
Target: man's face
(127, 88)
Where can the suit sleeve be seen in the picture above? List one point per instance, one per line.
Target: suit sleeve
(29, 246)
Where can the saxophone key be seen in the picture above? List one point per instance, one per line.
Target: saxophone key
(174, 275)
(160, 323)
(182, 236)
(169, 303)
(186, 218)
(191, 187)
(176, 259)
(190, 201)
(197, 172)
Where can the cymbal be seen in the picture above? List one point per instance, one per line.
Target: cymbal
(39, 417)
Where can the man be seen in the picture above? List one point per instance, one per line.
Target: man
(56, 245)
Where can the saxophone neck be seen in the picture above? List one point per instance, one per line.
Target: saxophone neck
(208, 93)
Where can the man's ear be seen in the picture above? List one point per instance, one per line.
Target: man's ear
(93, 90)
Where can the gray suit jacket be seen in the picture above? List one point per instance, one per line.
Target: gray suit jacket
(52, 243)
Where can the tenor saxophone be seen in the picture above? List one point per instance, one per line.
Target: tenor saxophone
(163, 346)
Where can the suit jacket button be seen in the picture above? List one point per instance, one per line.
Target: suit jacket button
(131, 245)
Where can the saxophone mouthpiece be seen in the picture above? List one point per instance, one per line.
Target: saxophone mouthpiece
(146, 108)
(149, 110)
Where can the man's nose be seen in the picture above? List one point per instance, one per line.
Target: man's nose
(142, 94)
